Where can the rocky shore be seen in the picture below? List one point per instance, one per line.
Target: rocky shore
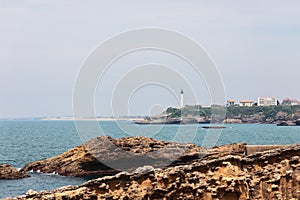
(107, 156)
(9, 172)
(282, 115)
(272, 174)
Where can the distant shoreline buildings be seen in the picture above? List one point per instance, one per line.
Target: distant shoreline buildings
(264, 101)
(261, 101)
(290, 102)
(267, 101)
(246, 103)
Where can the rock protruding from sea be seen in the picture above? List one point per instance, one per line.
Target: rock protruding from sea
(289, 123)
(107, 156)
(9, 172)
(271, 175)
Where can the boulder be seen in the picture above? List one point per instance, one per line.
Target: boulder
(9, 172)
(288, 123)
(203, 120)
(281, 115)
(296, 115)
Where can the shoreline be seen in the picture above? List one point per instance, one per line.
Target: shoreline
(89, 119)
(204, 177)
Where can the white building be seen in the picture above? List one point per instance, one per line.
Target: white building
(230, 102)
(291, 102)
(246, 103)
(206, 106)
(267, 101)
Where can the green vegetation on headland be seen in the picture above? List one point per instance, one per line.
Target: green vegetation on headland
(239, 114)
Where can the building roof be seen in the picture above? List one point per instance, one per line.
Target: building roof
(231, 101)
(292, 100)
(246, 101)
(266, 97)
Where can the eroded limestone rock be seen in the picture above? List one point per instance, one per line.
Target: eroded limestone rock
(273, 174)
(107, 156)
(9, 172)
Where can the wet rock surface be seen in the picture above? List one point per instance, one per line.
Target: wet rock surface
(9, 172)
(272, 174)
(107, 156)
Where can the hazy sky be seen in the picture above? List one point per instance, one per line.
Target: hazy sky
(255, 45)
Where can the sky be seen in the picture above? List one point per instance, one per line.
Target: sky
(255, 46)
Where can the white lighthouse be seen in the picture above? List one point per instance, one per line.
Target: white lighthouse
(181, 99)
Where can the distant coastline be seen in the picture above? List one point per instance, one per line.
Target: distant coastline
(91, 119)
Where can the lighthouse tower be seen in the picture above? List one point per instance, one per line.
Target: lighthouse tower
(181, 99)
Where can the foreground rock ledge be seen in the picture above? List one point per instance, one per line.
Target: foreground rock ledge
(9, 172)
(271, 174)
(126, 154)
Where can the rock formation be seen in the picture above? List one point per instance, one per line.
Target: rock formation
(283, 119)
(106, 156)
(189, 120)
(233, 121)
(273, 174)
(286, 123)
(281, 115)
(9, 172)
(203, 120)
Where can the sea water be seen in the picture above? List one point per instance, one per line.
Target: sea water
(25, 141)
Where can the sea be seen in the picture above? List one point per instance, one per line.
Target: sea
(24, 141)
